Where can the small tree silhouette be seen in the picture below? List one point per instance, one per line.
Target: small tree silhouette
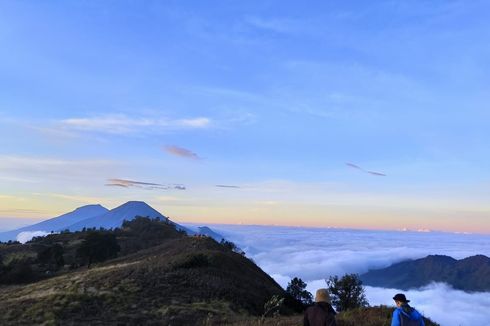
(297, 289)
(347, 292)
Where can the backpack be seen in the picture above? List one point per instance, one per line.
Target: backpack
(406, 321)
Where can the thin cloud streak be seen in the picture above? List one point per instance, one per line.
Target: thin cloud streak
(123, 124)
(181, 152)
(124, 183)
(377, 173)
(357, 167)
(228, 186)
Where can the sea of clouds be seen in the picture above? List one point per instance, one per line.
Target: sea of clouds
(314, 254)
(25, 236)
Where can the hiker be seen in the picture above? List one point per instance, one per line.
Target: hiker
(404, 315)
(321, 313)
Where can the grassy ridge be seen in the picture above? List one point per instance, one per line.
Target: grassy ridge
(180, 281)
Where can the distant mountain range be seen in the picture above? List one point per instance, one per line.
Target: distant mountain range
(93, 216)
(469, 274)
(58, 223)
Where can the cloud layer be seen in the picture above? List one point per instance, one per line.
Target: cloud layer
(25, 236)
(314, 254)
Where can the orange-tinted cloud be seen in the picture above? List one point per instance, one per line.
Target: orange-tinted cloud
(181, 152)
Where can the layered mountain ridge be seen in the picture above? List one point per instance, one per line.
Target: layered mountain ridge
(93, 216)
(469, 274)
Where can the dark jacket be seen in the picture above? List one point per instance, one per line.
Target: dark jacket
(406, 315)
(320, 314)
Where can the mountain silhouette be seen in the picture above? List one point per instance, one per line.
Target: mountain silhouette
(469, 274)
(94, 216)
(115, 217)
(58, 223)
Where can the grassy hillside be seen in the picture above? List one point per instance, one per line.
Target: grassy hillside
(178, 282)
(161, 277)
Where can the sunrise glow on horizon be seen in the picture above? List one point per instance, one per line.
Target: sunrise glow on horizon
(347, 114)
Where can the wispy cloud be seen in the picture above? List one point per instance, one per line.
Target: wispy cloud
(181, 152)
(124, 124)
(357, 167)
(227, 186)
(124, 183)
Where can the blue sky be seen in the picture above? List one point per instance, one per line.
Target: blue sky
(273, 97)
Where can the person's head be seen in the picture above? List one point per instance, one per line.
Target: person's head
(322, 295)
(400, 299)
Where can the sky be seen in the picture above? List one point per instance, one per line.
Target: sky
(333, 113)
(315, 254)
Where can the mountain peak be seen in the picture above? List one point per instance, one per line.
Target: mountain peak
(91, 206)
(135, 203)
(116, 216)
(139, 207)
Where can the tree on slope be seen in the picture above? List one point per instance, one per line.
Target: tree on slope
(347, 292)
(297, 289)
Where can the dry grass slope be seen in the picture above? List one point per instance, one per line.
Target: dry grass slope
(178, 282)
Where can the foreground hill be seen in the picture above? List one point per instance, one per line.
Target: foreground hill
(469, 274)
(181, 280)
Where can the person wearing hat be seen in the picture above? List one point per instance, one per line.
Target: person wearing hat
(404, 315)
(321, 313)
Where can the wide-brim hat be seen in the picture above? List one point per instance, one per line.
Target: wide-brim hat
(400, 297)
(322, 295)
